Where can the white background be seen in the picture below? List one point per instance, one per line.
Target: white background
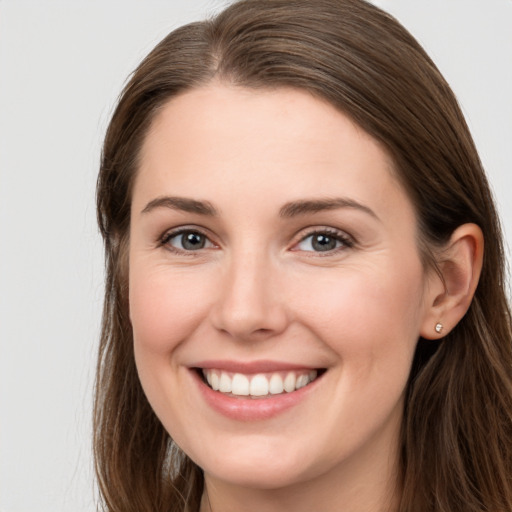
(62, 64)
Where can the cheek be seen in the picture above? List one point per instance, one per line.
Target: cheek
(358, 301)
(165, 307)
(370, 319)
(371, 323)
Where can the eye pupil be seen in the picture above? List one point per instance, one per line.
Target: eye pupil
(192, 241)
(323, 242)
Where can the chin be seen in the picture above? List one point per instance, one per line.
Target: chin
(259, 465)
(258, 476)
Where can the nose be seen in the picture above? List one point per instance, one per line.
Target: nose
(250, 303)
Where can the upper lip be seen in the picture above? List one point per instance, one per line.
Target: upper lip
(249, 367)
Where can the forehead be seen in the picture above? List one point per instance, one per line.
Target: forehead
(282, 144)
(270, 119)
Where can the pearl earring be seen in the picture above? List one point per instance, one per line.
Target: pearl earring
(439, 327)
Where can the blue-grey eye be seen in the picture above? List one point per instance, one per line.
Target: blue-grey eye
(189, 241)
(320, 242)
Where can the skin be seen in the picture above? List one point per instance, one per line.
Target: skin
(259, 291)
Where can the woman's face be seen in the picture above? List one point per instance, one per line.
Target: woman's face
(272, 248)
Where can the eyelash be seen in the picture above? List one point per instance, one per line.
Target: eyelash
(345, 241)
(169, 235)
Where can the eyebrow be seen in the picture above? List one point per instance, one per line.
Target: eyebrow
(182, 203)
(304, 207)
(291, 209)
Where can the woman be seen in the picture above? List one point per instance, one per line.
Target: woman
(299, 314)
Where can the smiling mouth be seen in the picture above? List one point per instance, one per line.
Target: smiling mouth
(259, 385)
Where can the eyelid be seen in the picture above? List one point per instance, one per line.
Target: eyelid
(347, 240)
(163, 240)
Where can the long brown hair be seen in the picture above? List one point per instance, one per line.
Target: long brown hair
(457, 427)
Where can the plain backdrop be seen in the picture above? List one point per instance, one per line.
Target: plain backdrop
(62, 65)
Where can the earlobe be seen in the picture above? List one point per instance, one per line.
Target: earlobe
(451, 292)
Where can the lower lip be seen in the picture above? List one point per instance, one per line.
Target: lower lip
(251, 409)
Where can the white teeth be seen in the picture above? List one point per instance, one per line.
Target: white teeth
(240, 384)
(225, 383)
(214, 380)
(276, 384)
(302, 380)
(259, 384)
(289, 382)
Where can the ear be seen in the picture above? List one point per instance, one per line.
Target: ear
(449, 295)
